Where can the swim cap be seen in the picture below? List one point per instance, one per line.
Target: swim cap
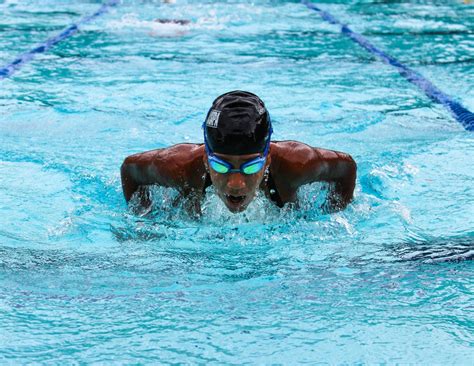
(237, 124)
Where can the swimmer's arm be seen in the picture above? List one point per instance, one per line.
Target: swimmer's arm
(310, 165)
(178, 167)
(341, 170)
(140, 170)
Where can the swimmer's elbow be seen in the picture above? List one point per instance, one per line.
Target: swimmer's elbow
(124, 165)
(131, 160)
(345, 182)
(125, 168)
(349, 167)
(132, 165)
(352, 166)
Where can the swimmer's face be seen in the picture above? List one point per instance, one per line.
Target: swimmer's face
(236, 189)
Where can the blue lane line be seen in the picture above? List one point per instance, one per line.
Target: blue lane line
(16, 64)
(462, 115)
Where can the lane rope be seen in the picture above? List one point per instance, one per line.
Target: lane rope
(26, 57)
(462, 114)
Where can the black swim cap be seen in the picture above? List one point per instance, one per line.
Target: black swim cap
(237, 124)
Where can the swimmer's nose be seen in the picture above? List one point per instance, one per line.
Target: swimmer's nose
(236, 183)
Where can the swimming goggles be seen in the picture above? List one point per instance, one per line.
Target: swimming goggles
(252, 166)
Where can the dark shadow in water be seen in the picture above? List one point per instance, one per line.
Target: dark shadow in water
(159, 263)
(436, 250)
(433, 32)
(443, 62)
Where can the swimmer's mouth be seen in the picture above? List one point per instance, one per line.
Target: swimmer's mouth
(235, 199)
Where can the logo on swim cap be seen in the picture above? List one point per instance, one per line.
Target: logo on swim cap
(213, 119)
(261, 110)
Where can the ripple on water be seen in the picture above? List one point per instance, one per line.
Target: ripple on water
(34, 203)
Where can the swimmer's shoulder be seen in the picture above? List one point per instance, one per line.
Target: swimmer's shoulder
(183, 153)
(295, 163)
(188, 160)
(180, 153)
(295, 152)
(291, 152)
(182, 164)
(180, 157)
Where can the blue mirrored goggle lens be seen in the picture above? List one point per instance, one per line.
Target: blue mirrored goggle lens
(253, 168)
(218, 167)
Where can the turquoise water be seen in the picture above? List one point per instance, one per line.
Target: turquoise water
(84, 279)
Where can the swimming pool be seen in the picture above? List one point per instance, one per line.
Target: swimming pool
(390, 279)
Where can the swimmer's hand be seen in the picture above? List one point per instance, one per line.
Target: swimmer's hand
(339, 196)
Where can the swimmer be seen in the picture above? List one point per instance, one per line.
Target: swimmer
(170, 27)
(238, 158)
(172, 21)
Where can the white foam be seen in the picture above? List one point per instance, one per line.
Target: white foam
(423, 24)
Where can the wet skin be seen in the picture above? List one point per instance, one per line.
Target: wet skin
(290, 164)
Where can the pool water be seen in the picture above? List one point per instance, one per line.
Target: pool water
(85, 279)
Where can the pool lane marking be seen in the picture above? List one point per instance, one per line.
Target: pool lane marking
(462, 114)
(21, 60)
